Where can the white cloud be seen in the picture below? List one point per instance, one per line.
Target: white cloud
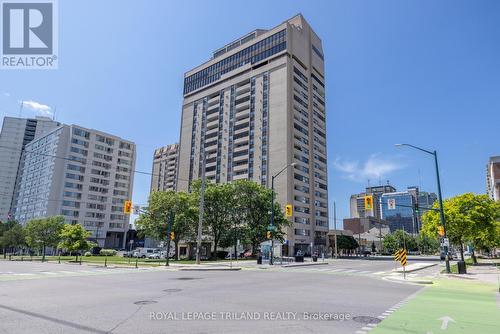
(373, 168)
(6, 94)
(37, 107)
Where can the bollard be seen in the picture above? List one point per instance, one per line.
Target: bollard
(136, 259)
(10, 257)
(59, 259)
(106, 261)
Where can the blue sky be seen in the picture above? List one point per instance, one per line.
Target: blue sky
(424, 72)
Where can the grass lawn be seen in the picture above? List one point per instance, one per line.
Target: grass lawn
(117, 260)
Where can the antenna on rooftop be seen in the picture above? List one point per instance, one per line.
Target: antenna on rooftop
(21, 105)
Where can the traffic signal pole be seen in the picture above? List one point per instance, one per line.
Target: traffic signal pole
(170, 220)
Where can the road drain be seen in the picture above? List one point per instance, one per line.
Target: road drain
(186, 278)
(366, 319)
(145, 302)
(172, 290)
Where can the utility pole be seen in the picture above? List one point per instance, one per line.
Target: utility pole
(335, 227)
(202, 207)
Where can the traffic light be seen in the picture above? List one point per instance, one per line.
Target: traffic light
(441, 230)
(172, 235)
(369, 202)
(416, 208)
(288, 210)
(127, 207)
(268, 234)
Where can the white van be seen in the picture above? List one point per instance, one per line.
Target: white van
(144, 252)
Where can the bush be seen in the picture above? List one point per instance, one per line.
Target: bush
(107, 252)
(87, 254)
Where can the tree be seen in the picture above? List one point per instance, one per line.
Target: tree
(391, 244)
(426, 244)
(346, 242)
(4, 228)
(251, 214)
(44, 232)
(74, 238)
(218, 211)
(153, 222)
(469, 218)
(14, 237)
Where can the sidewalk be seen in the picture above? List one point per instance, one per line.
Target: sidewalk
(447, 306)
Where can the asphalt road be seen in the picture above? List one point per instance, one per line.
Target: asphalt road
(62, 298)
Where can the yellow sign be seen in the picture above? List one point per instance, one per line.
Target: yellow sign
(127, 207)
(400, 256)
(441, 230)
(369, 202)
(288, 211)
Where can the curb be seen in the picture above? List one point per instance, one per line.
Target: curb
(416, 269)
(415, 281)
(211, 269)
(308, 264)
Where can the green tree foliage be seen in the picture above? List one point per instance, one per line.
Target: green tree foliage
(426, 244)
(13, 237)
(44, 232)
(73, 238)
(232, 211)
(346, 242)
(469, 218)
(153, 222)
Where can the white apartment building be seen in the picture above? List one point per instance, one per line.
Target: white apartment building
(493, 178)
(256, 106)
(84, 175)
(16, 133)
(164, 168)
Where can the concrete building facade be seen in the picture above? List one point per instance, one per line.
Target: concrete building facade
(164, 168)
(84, 175)
(493, 178)
(15, 135)
(255, 107)
(357, 201)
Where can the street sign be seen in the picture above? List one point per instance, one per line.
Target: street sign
(400, 256)
(391, 204)
(445, 242)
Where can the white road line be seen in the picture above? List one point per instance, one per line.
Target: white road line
(372, 325)
(24, 274)
(366, 328)
(381, 317)
(364, 272)
(48, 273)
(360, 332)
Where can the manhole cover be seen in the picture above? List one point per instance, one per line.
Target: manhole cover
(145, 302)
(366, 319)
(172, 290)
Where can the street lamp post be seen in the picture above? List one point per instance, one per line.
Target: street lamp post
(441, 209)
(272, 208)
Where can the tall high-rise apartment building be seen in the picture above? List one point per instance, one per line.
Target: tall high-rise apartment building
(493, 178)
(255, 107)
(163, 176)
(15, 134)
(84, 175)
